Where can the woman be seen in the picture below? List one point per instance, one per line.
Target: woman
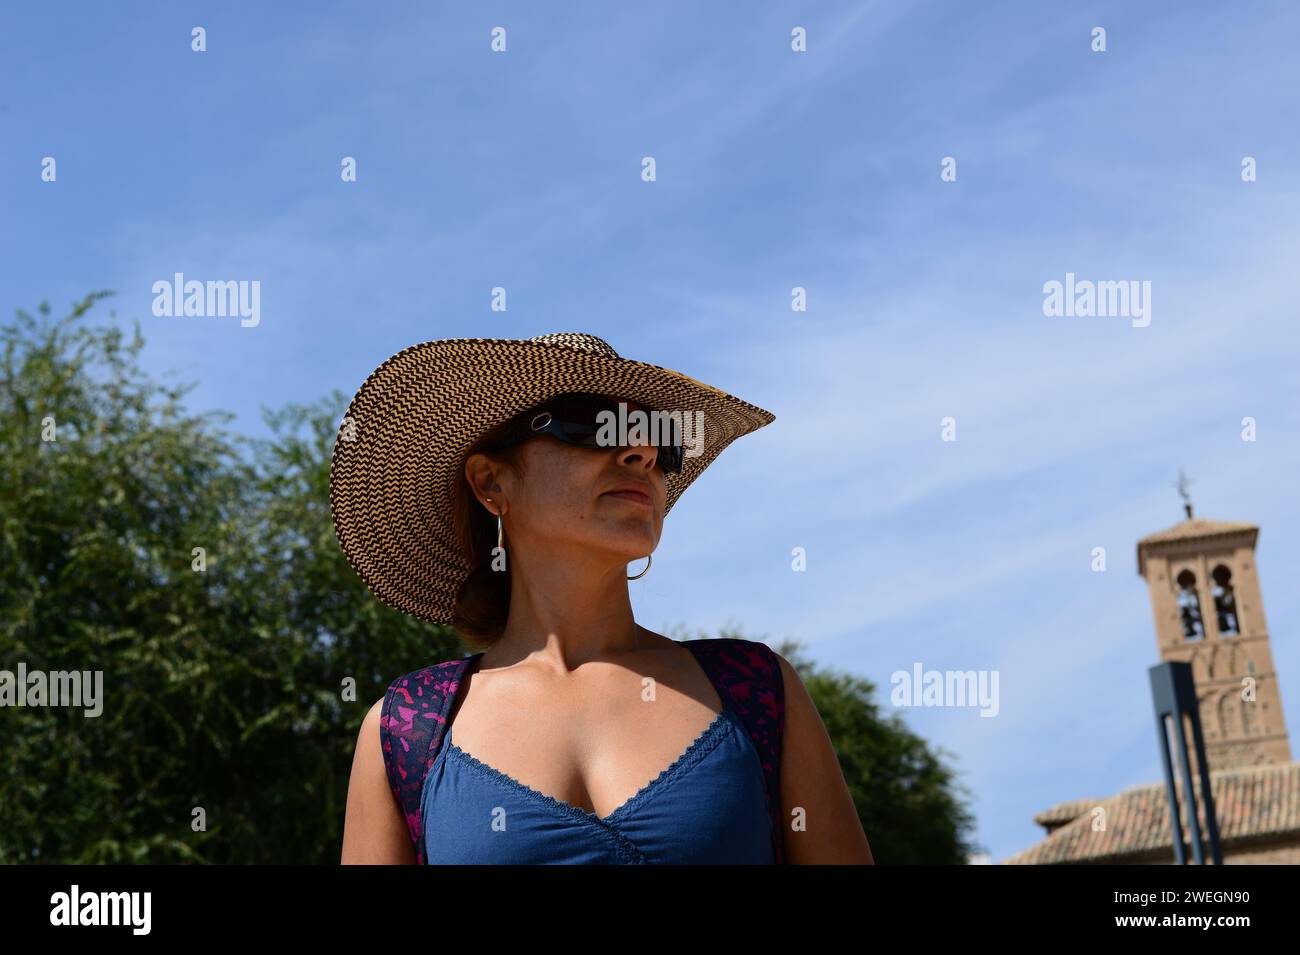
(502, 487)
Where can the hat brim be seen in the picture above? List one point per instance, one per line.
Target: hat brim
(401, 448)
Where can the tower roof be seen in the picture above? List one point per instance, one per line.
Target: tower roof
(1194, 528)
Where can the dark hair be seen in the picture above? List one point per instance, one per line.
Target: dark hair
(483, 603)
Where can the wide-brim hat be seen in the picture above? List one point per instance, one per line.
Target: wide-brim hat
(402, 445)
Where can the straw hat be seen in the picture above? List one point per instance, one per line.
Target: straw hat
(402, 446)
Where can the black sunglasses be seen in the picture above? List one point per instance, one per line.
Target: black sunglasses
(578, 418)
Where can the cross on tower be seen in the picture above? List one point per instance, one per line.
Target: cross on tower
(1183, 482)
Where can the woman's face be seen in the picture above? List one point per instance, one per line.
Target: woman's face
(567, 495)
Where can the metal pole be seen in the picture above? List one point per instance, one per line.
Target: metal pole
(1176, 823)
(1173, 691)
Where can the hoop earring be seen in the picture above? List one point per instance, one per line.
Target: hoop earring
(650, 558)
(500, 532)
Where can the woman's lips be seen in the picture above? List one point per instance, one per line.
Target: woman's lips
(635, 496)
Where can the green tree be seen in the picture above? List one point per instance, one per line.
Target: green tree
(223, 686)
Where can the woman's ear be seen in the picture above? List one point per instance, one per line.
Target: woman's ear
(481, 474)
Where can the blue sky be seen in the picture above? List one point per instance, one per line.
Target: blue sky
(775, 169)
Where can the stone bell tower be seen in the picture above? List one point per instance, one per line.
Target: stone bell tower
(1209, 612)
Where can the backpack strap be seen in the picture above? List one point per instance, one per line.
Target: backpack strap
(747, 675)
(411, 726)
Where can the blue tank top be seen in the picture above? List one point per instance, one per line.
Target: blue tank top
(707, 808)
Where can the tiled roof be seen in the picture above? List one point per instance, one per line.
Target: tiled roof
(1250, 803)
(1194, 528)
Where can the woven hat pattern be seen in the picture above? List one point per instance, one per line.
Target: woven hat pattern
(402, 445)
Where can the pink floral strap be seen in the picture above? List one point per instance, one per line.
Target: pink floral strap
(411, 726)
(747, 675)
